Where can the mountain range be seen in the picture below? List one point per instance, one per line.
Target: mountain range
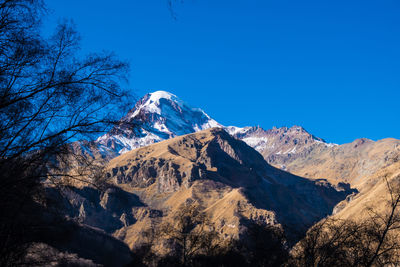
(164, 154)
(161, 115)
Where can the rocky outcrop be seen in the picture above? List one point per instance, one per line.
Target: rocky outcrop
(109, 210)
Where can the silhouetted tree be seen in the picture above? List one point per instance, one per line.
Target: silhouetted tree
(263, 245)
(49, 96)
(189, 233)
(373, 242)
(190, 240)
(144, 254)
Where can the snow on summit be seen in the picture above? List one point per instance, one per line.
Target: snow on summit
(153, 103)
(157, 116)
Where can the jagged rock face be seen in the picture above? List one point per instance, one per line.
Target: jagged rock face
(280, 146)
(166, 174)
(92, 207)
(212, 167)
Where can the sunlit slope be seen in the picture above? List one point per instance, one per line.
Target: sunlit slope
(229, 179)
(350, 163)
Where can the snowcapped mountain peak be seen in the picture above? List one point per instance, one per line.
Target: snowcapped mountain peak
(157, 95)
(152, 103)
(157, 116)
(155, 99)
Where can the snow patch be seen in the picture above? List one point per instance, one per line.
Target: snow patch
(233, 130)
(258, 143)
(291, 151)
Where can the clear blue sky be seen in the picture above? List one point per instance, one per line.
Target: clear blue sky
(332, 67)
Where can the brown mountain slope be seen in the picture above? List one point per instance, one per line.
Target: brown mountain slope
(229, 179)
(375, 196)
(345, 163)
